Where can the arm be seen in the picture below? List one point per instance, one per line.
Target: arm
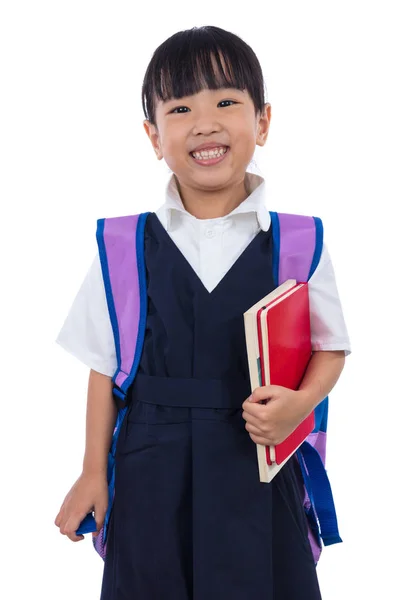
(90, 491)
(87, 334)
(101, 414)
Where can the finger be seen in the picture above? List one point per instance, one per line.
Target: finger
(100, 515)
(75, 538)
(266, 438)
(253, 408)
(247, 404)
(71, 534)
(253, 420)
(70, 527)
(259, 440)
(264, 393)
(259, 415)
(254, 430)
(59, 518)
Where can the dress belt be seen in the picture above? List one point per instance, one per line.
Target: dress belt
(191, 393)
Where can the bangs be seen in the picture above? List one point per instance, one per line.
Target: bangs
(201, 69)
(197, 59)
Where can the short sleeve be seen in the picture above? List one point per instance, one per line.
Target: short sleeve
(328, 327)
(87, 332)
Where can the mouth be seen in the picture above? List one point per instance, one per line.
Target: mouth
(205, 159)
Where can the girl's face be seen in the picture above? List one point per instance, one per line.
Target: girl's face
(226, 117)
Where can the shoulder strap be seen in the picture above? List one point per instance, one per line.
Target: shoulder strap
(121, 248)
(297, 246)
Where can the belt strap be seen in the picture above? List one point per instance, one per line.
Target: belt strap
(191, 393)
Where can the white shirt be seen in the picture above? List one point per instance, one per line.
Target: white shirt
(211, 246)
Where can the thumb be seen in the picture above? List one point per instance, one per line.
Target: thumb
(263, 393)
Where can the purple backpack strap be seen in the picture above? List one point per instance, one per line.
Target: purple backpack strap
(121, 250)
(297, 243)
(297, 246)
(121, 247)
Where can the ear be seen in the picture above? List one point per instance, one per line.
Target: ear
(263, 125)
(154, 137)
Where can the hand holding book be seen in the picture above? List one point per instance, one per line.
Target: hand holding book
(271, 423)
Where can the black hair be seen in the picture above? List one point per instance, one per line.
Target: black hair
(190, 61)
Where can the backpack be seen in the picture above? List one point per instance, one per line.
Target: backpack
(297, 243)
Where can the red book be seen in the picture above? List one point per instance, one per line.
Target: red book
(278, 339)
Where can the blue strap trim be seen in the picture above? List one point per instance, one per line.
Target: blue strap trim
(319, 237)
(108, 289)
(117, 392)
(319, 491)
(276, 237)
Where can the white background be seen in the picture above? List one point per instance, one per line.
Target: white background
(73, 149)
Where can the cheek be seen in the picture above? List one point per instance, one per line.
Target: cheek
(248, 131)
(244, 143)
(173, 147)
(243, 133)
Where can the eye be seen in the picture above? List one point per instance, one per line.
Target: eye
(222, 101)
(177, 108)
(232, 101)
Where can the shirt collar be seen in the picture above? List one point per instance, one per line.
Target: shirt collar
(254, 203)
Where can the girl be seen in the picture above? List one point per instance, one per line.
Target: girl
(191, 519)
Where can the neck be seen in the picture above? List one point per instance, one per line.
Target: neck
(205, 204)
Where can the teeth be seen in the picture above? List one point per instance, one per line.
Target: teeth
(207, 154)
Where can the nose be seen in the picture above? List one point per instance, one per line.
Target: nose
(206, 126)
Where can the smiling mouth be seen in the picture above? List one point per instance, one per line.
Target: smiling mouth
(206, 159)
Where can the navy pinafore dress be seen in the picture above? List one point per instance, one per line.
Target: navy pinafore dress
(191, 520)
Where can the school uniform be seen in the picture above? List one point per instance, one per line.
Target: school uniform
(191, 521)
